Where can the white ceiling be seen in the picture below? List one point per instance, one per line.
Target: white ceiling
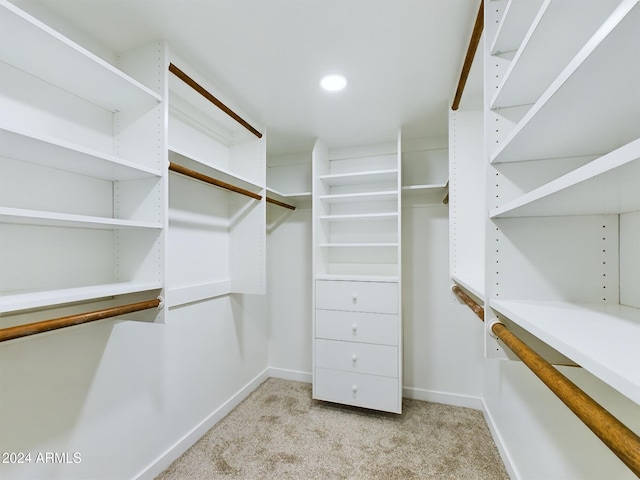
(402, 58)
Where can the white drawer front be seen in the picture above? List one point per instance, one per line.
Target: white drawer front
(369, 391)
(379, 297)
(357, 357)
(380, 328)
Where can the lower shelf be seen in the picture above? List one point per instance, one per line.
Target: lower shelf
(13, 302)
(601, 338)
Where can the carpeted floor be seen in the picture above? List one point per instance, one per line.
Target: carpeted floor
(279, 432)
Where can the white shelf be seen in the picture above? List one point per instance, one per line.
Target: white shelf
(359, 197)
(471, 282)
(518, 86)
(54, 153)
(601, 338)
(54, 219)
(516, 19)
(193, 162)
(57, 60)
(431, 194)
(13, 302)
(360, 178)
(608, 185)
(598, 79)
(359, 245)
(357, 217)
(289, 195)
(358, 278)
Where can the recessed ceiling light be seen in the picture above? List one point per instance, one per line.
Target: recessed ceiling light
(333, 83)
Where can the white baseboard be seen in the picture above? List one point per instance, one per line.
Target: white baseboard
(194, 435)
(293, 375)
(500, 444)
(442, 397)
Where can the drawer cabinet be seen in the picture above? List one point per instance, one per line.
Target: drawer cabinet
(357, 349)
(379, 297)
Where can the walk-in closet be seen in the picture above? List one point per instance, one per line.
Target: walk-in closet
(215, 265)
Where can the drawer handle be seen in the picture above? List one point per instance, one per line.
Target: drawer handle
(354, 298)
(354, 327)
(354, 358)
(354, 389)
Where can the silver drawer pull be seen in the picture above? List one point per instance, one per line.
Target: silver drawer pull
(354, 298)
(354, 389)
(354, 358)
(354, 327)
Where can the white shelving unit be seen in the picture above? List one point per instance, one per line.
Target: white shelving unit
(82, 184)
(217, 237)
(356, 256)
(562, 249)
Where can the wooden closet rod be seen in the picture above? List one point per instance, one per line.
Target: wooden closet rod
(212, 181)
(281, 204)
(471, 52)
(202, 91)
(19, 331)
(615, 435)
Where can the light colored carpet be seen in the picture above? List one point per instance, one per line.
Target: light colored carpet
(279, 432)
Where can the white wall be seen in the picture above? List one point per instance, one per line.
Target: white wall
(539, 436)
(289, 284)
(443, 347)
(122, 394)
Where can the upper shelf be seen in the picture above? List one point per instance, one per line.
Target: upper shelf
(597, 92)
(360, 178)
(75, 69)
(54, 153)
(541, 52)
(516, 18)
(608, 185)
(359, 197)
(187, 160)
(603, 339)
(54, 219)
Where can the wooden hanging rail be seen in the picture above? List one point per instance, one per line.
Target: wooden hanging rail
(281, 204)
(615, 435)
(19, 331)
(471, 52)
(202, 91)
(212, 181)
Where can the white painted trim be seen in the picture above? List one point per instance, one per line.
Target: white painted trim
(293, 375)
(509, 465)
(197, 432)
(453, 399)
